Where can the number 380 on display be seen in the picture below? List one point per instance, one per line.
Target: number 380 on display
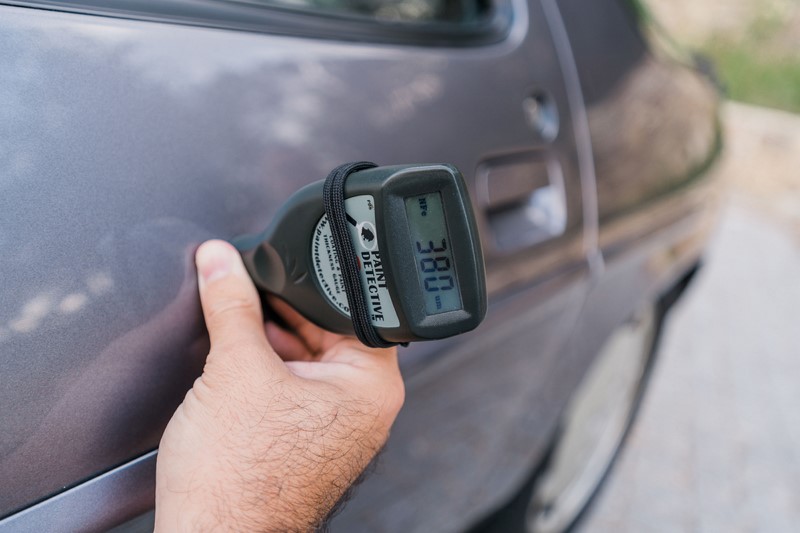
(440, 263)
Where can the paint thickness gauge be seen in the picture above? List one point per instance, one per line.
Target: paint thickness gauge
(414, 263)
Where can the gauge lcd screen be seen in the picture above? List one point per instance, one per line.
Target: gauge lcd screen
(433, 255)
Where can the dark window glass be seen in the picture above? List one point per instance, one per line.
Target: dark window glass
(420, 11)
(417, 22)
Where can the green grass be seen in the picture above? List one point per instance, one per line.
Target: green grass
(756, 78)
(758, 66)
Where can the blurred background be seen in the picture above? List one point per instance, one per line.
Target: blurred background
(717, 443)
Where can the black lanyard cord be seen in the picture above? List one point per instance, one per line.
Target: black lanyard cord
(333, 201)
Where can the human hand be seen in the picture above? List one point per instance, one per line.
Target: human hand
(280, 424)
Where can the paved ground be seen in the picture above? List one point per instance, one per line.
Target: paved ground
(717, 445)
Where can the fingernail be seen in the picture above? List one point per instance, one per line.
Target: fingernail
(214, 260)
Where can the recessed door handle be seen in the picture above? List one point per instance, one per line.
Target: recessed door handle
(524, 200)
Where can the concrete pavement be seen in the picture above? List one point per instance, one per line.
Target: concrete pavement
(717, 444)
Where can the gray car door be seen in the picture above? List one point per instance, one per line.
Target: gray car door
(125, 142)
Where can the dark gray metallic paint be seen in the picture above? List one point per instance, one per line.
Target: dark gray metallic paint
(96, 505)
(124, 144)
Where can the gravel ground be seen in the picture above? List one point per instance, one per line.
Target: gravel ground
(717, 444)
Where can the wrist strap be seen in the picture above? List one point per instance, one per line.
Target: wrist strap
(333, 201)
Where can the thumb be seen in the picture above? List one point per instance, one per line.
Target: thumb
(231, 305)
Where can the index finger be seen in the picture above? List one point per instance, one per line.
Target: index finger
(313, 336)
(321, 341)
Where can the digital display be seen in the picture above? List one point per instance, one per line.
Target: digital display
(433, 254)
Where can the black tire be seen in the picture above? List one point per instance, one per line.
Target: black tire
(515, 516)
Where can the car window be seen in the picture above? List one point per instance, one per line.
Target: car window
(413, 22)
(454, 11)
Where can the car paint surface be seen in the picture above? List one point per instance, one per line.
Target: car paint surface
(124, 144)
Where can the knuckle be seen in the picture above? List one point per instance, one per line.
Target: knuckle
(397, 396)
(231, 306)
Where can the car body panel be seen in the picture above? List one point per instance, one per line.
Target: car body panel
(124, 144)
(127, 143)
(122, 495)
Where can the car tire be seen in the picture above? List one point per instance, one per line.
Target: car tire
(592, 431)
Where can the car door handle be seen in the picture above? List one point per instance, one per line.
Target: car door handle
(524, 201)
